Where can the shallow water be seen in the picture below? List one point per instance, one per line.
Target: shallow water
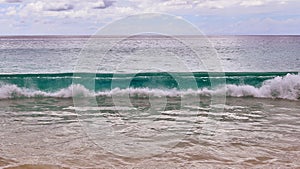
(249, 132)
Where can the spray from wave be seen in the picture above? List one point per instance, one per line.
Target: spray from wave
(286, 87)
(9, 91)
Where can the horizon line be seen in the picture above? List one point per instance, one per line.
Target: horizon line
(90, 35)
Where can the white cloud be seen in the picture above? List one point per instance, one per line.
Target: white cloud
(11, 11)
(104, 11)
(248, 3)
(60, 6)
(10, 1)
(261, 26)
(88, 8)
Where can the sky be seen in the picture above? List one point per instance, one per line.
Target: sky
(212, 17)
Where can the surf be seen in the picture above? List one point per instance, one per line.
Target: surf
(281, 85)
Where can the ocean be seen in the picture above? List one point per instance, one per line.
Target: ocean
(149, 102)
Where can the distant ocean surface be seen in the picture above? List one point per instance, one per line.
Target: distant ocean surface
(50, 115)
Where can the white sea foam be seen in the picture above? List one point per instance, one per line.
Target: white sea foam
(13, 91)
(287, 87)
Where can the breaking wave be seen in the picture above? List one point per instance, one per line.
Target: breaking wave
(283, 87)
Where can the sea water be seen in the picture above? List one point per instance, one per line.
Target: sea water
(138, 109)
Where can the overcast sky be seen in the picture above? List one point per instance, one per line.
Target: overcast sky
(216, 17)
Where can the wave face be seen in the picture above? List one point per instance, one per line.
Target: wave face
(284, 85)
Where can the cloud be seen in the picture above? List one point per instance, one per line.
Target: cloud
(10, 1)
(11, 11)
(95, 13)
(88, 9)
(58, 7)
(13, 1)
(259, 26)
(249, 3)
(104, 4)
(252, 3)
(113, 8)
